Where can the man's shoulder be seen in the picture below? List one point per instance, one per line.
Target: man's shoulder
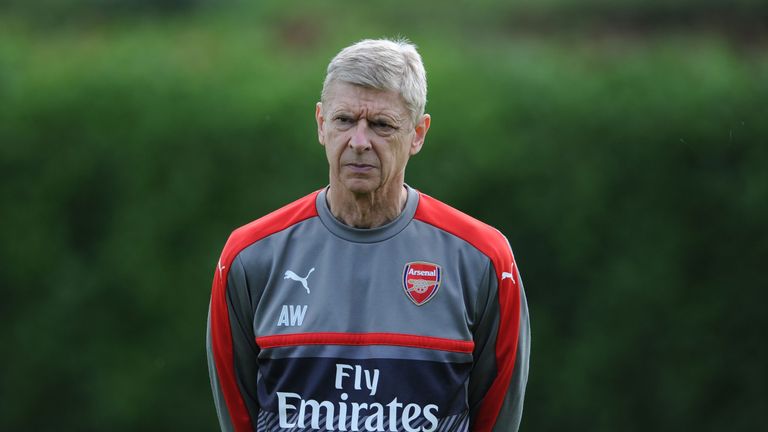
(291, 214)
(482, 236)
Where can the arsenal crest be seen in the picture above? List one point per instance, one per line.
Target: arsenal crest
(421, 281)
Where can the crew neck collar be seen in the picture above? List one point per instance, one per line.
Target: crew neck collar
(367, 235)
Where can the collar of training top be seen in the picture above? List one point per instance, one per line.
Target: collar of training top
(367, 235)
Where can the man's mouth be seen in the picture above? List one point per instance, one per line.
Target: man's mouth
(360, 167)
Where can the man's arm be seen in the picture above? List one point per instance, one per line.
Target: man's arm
(502, 348)
(232, 349)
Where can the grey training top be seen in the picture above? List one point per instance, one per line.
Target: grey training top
(418, 325)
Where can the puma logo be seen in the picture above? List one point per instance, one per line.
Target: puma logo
(508, 275)
(293, 276)
(220, 268)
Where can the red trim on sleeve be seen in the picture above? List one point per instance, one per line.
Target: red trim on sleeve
(493, 244)
(221, 333)
(395, 339)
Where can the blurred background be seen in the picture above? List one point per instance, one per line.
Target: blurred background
(620, 145)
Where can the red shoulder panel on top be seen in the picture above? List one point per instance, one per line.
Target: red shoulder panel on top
(280, 219)
(492, 243)
(482, 236)
(221, 333)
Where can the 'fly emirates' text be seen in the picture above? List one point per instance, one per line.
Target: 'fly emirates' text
(374, 413)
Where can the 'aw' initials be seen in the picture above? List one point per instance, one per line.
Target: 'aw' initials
(292, 315)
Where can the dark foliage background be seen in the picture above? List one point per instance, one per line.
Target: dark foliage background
(621, 146)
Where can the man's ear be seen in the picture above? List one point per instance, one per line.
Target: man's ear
(421, 133)
(320, 122)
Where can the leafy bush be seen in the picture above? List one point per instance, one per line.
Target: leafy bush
(628, 174)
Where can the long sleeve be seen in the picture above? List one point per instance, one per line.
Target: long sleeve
(502, 349)
(231, 348)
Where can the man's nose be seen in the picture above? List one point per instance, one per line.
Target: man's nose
(359, 140)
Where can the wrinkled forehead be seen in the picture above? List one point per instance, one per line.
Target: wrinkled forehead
(356, 98)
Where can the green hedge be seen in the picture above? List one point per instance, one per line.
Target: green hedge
(628, 174)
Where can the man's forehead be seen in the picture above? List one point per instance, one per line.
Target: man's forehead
(344, 96)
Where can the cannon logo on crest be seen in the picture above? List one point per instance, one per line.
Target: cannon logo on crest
(421, 281)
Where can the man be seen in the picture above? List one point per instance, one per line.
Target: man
(367, 305)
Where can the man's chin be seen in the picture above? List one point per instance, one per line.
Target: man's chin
(360, 186)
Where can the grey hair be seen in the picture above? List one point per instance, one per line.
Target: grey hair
(382, 64)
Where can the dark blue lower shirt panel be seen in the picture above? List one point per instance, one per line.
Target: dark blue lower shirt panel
(364, 381)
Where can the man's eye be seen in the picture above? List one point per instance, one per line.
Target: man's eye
(344, 120)
(383, 126)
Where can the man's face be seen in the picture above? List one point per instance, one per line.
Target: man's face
(368, 137)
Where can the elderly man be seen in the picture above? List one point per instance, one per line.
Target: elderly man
(367, 305)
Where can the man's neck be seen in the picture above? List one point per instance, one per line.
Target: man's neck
(366, 210)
